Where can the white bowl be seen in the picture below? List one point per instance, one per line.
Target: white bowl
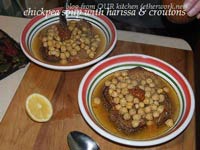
(39, 22)
(128, 61)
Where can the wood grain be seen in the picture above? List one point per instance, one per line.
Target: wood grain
(19, 132)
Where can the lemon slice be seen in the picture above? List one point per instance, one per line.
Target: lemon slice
(39, 107)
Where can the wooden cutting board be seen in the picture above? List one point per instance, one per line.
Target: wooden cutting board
(19, 132)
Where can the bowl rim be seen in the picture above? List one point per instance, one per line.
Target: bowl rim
(128, 142)
(36, 19)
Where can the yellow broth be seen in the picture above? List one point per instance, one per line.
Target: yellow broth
(148, 132)
(37, 44)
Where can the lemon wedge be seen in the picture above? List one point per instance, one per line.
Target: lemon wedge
(38, 107)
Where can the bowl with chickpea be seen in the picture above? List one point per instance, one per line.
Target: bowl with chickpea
(136, 100)
(87, 39)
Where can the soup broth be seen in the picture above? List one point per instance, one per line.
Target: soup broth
(148, 131)
(84, 43)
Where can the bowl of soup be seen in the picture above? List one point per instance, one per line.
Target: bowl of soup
(88, 37)
(136, 100)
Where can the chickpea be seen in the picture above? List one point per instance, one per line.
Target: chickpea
(136, 100)
(63, 61)
(126, 116)
(159, 91)
(151, 101)
(88, 51)
(114, 81)
(147, 109)
(161, 98)
(130, 86)
(67, 54)
(58, 45)
(124, 73)
(73, 52)
(128, 80)
(116, 100)
(154, 107)
(122, 102)
(74, 45)
(136, 106)
(134, 83)
(141, 104)
(141, 87)
(129, 105)
(50, 43)
(116, 74)
(69, 48)
(123, 110)
(118, 107)
(57, 54)
(155, 97)
(120, 78)
(149, 80)
(44, 39)
(169, 123)
(51, 48)
(110, 91)
(53, 52)
(156, 103)
(166, 89)
(147, 89)
(63, 48)
(91, 54)
(146, 101)
(160, 108)
(143, 82)
(45, 44)
(84, 29)
(107, 83)
(141, 111)
(77, 48)
(96, 36)
(118, 91)
(149, 123)
(148, 94)
(121, 96)
(156, 114)
(49, 53)
(153, 91)
(152, 84)
(94, 44)
(86, 47)
(129, 97)
(112, 86)
(149, 116)
(62, 56)
(57, 38)
(97, 100)
(137, 117)
(114, 94)
(124, 85)
(132, 111)
(50, 38)
(124, 91)
(87, 41)
(135, 123)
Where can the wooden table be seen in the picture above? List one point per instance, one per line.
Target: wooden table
(19, 132)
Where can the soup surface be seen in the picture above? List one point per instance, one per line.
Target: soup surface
(78, 43)
(135, 104)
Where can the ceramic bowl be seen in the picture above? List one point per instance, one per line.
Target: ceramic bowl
(128, 61)
(39, 22)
